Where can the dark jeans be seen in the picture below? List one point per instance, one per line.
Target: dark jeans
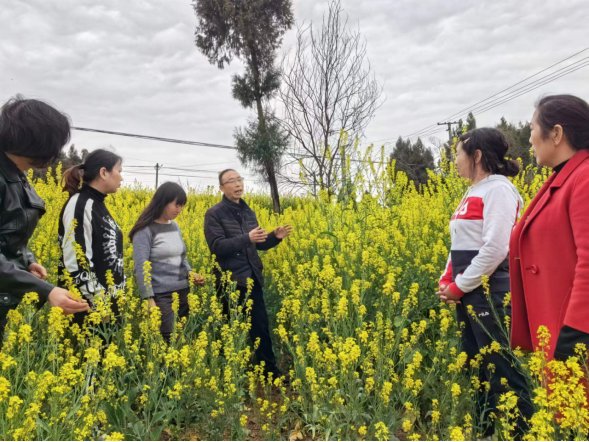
(164, 303)
(474, 338)
(260, 327)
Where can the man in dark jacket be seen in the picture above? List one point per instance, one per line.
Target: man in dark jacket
(32, 134)
(234, 237)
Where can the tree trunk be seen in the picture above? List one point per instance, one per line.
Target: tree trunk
(263, 128)
(273, 187)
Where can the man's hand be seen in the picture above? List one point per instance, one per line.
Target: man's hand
(258, 235)
(197, 279)
(152, 303)
(446, 295)
(63, 299)
(38, 270)
(283, 231)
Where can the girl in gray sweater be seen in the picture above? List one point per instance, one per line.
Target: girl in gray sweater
(157, 238)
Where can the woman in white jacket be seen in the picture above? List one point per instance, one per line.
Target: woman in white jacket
(480, 229)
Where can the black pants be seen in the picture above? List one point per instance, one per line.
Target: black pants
(260, 327)
(164, 302)
(474, 338)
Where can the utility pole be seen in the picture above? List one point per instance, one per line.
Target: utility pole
(157, 168)
(449, 123)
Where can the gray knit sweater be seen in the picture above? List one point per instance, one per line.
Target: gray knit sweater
(163, 246)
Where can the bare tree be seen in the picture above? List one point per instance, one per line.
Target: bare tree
(328, 88)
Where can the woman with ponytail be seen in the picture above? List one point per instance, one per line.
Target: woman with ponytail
(86, 221)
(157, 238)
(480, 229)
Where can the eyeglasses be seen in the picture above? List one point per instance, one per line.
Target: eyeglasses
(234, 180)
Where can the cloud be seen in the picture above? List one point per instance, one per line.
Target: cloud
(133, 66)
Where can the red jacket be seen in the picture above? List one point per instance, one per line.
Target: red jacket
(549, 258)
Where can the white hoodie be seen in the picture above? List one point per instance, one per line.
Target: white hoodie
(480, 229)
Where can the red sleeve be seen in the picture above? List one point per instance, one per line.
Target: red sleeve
(455, 290)
(447, 276)
(578, 308)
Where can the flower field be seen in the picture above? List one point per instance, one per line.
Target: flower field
(370, 351)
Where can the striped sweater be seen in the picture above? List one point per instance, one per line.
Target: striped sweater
(99, 238)
(480, 229)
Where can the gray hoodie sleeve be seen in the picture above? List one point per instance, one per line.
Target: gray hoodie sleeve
(141, 252)
(185, 262)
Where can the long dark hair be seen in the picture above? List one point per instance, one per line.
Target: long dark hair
(167, 193)
(88, 171)
(571, 112)
(493, 146)
(33, 129)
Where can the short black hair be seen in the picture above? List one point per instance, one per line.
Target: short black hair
(223, 172)
(33, 129)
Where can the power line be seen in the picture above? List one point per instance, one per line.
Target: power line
(427, 134)
(174, 164)
(536, 87)
(209, 164)
(427, 129)
(514, 94)
(148, 137)
(191, 170)
(145, 161)
(173, 168)
(472, 107)
(509, 97)
(543, 80)
(169, 174)
(520, 82)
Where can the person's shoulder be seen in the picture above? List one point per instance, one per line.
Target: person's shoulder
(498, 185)
(583, 168)
(581, 173)
(500, 189)
(145, 232)
(74, 201)
(246, 208)
(215, 209)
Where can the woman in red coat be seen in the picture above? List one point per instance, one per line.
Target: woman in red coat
(549, 247)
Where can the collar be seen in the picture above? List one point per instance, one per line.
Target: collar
(560, 167)
(569, 167)
(12, 173)
(242, 205)
(94, 194)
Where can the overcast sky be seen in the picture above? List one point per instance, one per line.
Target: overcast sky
(132, 66)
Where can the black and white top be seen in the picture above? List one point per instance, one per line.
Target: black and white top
(100, 240)
(480, 230)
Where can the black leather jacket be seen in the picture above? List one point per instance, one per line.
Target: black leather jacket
(20, 211)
